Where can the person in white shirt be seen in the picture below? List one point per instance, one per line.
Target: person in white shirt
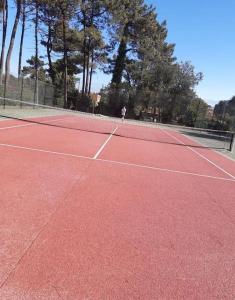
(123, 112)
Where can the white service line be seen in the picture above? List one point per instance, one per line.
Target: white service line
(116, 162)
(31, 124)
(199, 154)
(104, 144)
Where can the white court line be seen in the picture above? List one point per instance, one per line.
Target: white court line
(219, 151)
(104, 144)
(44, 151)
(199, 154)
(164, 170)
(116, 162)
(31, 124)
(16, 126)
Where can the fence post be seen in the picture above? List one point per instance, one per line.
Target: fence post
(45, 91)
(232, 143)
(22, 89)
(4, 91)
(35, 98)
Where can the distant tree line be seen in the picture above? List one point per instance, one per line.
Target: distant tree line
(224, 115)
(122, 38)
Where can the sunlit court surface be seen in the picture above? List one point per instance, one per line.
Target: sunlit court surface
(96, 208)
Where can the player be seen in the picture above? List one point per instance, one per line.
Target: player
(123, 112)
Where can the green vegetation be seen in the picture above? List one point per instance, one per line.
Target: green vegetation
(122, 38)
(224, 115)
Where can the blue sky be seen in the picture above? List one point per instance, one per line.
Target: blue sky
(204, 33)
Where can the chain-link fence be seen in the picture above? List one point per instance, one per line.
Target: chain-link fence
(28, 90)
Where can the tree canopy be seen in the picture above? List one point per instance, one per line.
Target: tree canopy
(122, 38)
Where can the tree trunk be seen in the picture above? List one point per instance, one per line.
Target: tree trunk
(197, 112)
(172, 108)
(65, 61)
(87, 68)
(84, 73)
(36, 53)
(4, 33)
(91, 72)
(90, 54)
(121, 57)
(119, 64)
(48, 47)
(12, 40)
(84, 55)
(21, 39)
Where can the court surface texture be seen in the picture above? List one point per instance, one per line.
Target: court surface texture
(90, 215)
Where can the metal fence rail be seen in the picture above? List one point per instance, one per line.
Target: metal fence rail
(24, 89)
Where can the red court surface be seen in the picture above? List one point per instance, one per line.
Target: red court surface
(86, 215)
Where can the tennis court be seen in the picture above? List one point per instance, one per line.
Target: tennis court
(93, 208)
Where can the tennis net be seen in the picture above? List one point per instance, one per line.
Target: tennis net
(20, 112)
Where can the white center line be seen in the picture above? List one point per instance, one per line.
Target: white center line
(199, 154)
(105, 143)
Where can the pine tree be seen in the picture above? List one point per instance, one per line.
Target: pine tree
(92, 16)
(129, 19)
(48, 14)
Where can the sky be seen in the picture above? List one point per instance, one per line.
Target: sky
(203, 32)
